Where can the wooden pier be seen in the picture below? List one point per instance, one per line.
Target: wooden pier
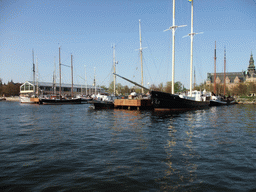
(129, 104)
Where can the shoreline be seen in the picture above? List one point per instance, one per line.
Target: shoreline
(246, 101)
(243, 101)
(16, 98)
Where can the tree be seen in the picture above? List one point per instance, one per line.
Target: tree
(240, 89)
(111, 87)
(251, 88)
(161, 87)
(178, 87)
(126, 90)
(153, 87)
(104, 87)
(118, 89)
(11, 89)
(168, 87)
(1, 87)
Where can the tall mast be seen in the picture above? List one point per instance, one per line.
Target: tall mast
(54, 78)
(60, 73)
(191, 48)
(224, 71)
(94, 81)
(53, 83)
(85, 81)
(37, 77)
(215, 69)
(71, 75)
(194, 78)
(114, 65)
(33, 70)
(141, 60)
(173, 28)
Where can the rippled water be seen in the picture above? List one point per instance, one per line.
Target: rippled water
(75, 148)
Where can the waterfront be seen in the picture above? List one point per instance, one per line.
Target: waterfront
(75, 148)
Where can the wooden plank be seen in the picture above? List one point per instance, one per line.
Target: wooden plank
(132, 102)
(34, 100)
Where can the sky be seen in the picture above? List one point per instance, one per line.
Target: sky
(88, 29)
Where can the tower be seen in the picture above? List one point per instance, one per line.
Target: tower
(251, 67)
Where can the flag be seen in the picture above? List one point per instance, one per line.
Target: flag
(189, 0)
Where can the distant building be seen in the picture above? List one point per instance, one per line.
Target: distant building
(48, 89)
(234, 78)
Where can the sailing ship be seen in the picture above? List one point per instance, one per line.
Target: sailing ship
(171, 101)
(106, 101)
(219, 100)
(62, 100)
(85, 98)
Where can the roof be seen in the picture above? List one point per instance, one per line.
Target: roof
(230, 75)
(47, 84)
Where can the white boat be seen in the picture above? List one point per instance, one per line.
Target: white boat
(29, 99)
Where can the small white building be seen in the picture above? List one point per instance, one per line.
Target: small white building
(44, 88)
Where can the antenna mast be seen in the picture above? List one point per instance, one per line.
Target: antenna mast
(173, 28)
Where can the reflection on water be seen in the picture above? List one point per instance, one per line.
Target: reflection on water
(70, 147)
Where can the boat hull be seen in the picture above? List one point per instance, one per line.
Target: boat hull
(103, 104)
(222, 102)
(161, 100)
(29, 100)
(86, 100)
(60, 101)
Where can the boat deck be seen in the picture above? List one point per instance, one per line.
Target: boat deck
(133, 104)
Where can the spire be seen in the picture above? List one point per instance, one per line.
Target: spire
(251, 62)
(251, 67)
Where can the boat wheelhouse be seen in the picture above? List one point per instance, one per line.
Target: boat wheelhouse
(27, 93)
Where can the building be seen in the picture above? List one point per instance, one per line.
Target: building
(234, 78)
(45, 88)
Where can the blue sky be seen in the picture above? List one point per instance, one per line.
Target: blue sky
(88, 29)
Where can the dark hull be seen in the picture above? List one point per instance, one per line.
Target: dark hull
(60, 102)
(103, 104)
(222, 102)
(172, 102)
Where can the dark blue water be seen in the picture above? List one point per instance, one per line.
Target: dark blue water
(75, 148)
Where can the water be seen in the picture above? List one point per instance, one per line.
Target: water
(75, 148)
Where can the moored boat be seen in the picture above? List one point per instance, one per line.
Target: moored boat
(59, 100)
(220, 101)
(172, 102)
(63, 101)
(195, 99)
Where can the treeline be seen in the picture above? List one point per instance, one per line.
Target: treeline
(125, 90)
(9, 89)
(242, 89)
